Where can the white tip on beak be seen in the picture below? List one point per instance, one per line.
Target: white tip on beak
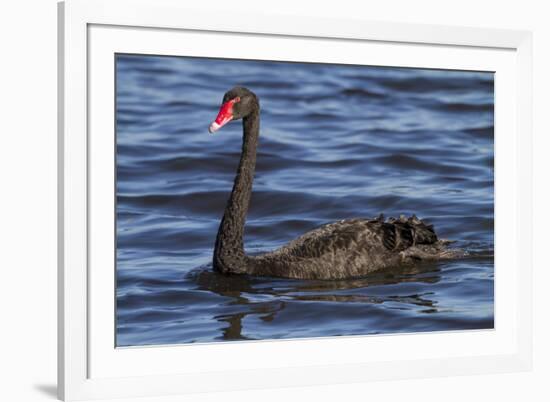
(213, 127)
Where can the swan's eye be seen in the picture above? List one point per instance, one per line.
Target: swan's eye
(237, 99)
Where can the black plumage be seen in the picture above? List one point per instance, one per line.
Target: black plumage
(344, 249)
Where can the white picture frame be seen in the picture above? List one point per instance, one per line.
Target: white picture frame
(90, 366)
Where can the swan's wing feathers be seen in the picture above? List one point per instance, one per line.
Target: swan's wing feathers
(411, 231)
(397, 234)
(393, 235)
(425, 234)
(325, 239)
(352, 234)
(377, 231)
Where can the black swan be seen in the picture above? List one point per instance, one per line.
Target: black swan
(345, 249)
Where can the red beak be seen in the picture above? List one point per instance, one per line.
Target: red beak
(225, 115)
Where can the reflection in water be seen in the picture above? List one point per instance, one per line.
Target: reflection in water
(241, 288)
(235, 287)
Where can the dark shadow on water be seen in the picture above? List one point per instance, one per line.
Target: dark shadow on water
(237, 287)
(50, 390)
(234, 330)
(234, 287)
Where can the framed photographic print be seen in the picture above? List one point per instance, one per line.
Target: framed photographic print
(242, 199)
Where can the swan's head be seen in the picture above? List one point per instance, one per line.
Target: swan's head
(237, 103)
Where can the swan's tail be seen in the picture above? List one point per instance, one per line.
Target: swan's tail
(425, 244)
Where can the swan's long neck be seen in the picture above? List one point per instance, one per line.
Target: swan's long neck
(229, 255)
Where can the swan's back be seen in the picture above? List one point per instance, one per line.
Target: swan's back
(351, 248)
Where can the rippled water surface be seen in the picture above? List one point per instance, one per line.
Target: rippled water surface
(336, 142)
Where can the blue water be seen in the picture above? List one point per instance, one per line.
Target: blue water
(336, 142)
